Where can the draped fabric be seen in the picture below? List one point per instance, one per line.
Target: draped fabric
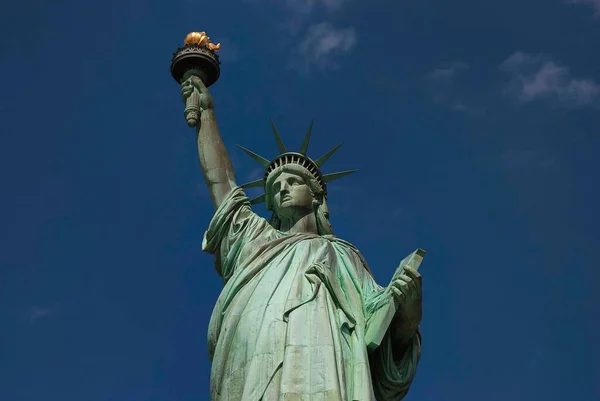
(289, 324)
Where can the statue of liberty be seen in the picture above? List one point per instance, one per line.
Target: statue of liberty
(300, 316)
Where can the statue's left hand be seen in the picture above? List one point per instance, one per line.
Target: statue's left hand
(406, 289)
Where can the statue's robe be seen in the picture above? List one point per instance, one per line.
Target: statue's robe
(290, 322)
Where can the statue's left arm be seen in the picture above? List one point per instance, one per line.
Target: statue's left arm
(407, 296)
(393, 372)
(394, 360)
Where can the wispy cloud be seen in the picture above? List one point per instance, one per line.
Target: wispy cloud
(305, 7)
(530, 160)
(539, 357)
(299, 10)
(444, 89)
(449, 72)
(229, 52)
(36, 313)
(322, 45)
(537, 77)
(255, 173)
(593, 3)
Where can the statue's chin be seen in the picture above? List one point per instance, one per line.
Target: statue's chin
(291, 212)
(285, 213)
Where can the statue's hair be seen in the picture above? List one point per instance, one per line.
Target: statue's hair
(319, 199)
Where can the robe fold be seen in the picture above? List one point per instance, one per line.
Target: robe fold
(290, 322)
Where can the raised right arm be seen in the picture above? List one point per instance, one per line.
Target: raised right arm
(214, 159)
(215, 163)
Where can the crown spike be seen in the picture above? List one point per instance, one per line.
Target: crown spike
(258, 199)
(264, 162)
(280, 144)
(306, 140)
(321, 160)
(252, 184)
(334, 176)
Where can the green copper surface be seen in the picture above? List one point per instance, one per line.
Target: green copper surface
(300, 316)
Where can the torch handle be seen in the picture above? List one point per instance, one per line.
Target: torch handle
(192, 108)
(192, 103)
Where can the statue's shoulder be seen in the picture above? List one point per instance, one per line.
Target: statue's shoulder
(350, 248)
(340, 242)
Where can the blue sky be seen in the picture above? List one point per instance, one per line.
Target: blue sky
(474, 125)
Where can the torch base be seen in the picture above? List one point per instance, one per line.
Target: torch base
(194, 57)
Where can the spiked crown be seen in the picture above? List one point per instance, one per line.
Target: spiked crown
(297, 159)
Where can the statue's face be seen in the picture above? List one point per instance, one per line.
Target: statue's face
(291, 195)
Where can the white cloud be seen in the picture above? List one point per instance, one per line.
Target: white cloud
(449, 72)
(593, 3)
(300, 9)
(36, 313)
(229, 52)
(307, 6)
(535, 76)
(530, 160)
(445, 91)
(323, 43)
(255, 174)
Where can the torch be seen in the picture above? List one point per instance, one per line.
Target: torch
(198, 58)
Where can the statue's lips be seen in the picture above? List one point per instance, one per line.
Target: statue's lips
(286, 198)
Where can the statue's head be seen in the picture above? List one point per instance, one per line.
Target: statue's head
(294, 185)
(292, 192)
(290, 195)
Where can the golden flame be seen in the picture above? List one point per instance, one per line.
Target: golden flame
(200, 39)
